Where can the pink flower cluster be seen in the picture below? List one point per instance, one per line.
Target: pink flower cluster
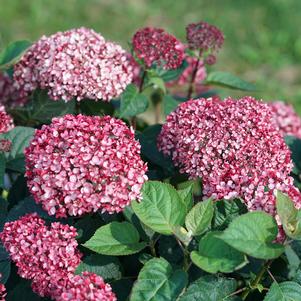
(234, 147)
(285, 117)
(49, 257)
(78, 63)
(185, 77)
(87, 287)
(2, 290)
(204, 36)
(155, 46)
(46, 255)
(80, 164)
(10, 96)
(5, 145)
(6, 122)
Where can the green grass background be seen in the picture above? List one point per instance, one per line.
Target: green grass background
(263, 37)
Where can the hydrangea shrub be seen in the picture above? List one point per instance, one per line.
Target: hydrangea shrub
(124, 176)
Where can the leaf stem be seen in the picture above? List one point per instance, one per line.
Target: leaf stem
(257, 280)
(193, 76)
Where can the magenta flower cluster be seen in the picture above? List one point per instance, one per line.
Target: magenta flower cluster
(78, 63)
(10, 95)
(286, 118)
(204, 36)
(6, 122)
(155, 46)
(48, 256)
(81, 164)
(45, 255)
(234, 147)
(88, 287)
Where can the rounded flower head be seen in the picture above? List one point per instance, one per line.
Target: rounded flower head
(10, 95)
(155, 46)
(285, 117)
(6, 122)
(43, 254)
(80, 164)
(234, 147)
(78, 63)
(204, 36)
(2, 290)
(86, 287)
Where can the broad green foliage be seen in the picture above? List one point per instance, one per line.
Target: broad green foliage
(132, 102)
(161, 209)
(158, 281)
(115, 239)
(228, 80)
(10, 55)
(214, 255)
(253, 234)
(285, 291)
(210, 288)
(199, 217)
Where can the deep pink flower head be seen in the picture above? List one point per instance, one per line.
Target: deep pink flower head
(6, 122)
(46, 255)
(2, 290)
(78, 63)
(288, 121)
(80, 164)
(10, 96)
(155, 46)
(234, 147)
(204, 36)
(86, 287)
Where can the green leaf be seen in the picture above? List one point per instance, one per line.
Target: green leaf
(171, 74)
(161, 207)
(210, 288)
(293, 261)
(98, 108)
(20, 138)
(169, 104)
(186, 194)
(2, 169)
(132, 102)
(294, 145)
(11, 54)
(290, 219)
(226, 211)
(158, 83)
(4, 270)
(28, 205)
(214, 255)
(229, 80)
(108, 267)
(23, 292)
(148, 141)
(157, 281)
(253, 233)
(115, 239)
(199, 217)
(285, 291)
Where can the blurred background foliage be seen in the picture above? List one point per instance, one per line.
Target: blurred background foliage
(263, 37)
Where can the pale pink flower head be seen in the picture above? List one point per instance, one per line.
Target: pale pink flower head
(81, 164)
(285, 117)
(2, 290)
(5, 145)
(86, 287)
(46, 255)
(6, 122)
(155, 46)
(78, 64)
(234, 147)
(204, 36)
(10, 95)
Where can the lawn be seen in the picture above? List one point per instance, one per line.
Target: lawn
(263, 38)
